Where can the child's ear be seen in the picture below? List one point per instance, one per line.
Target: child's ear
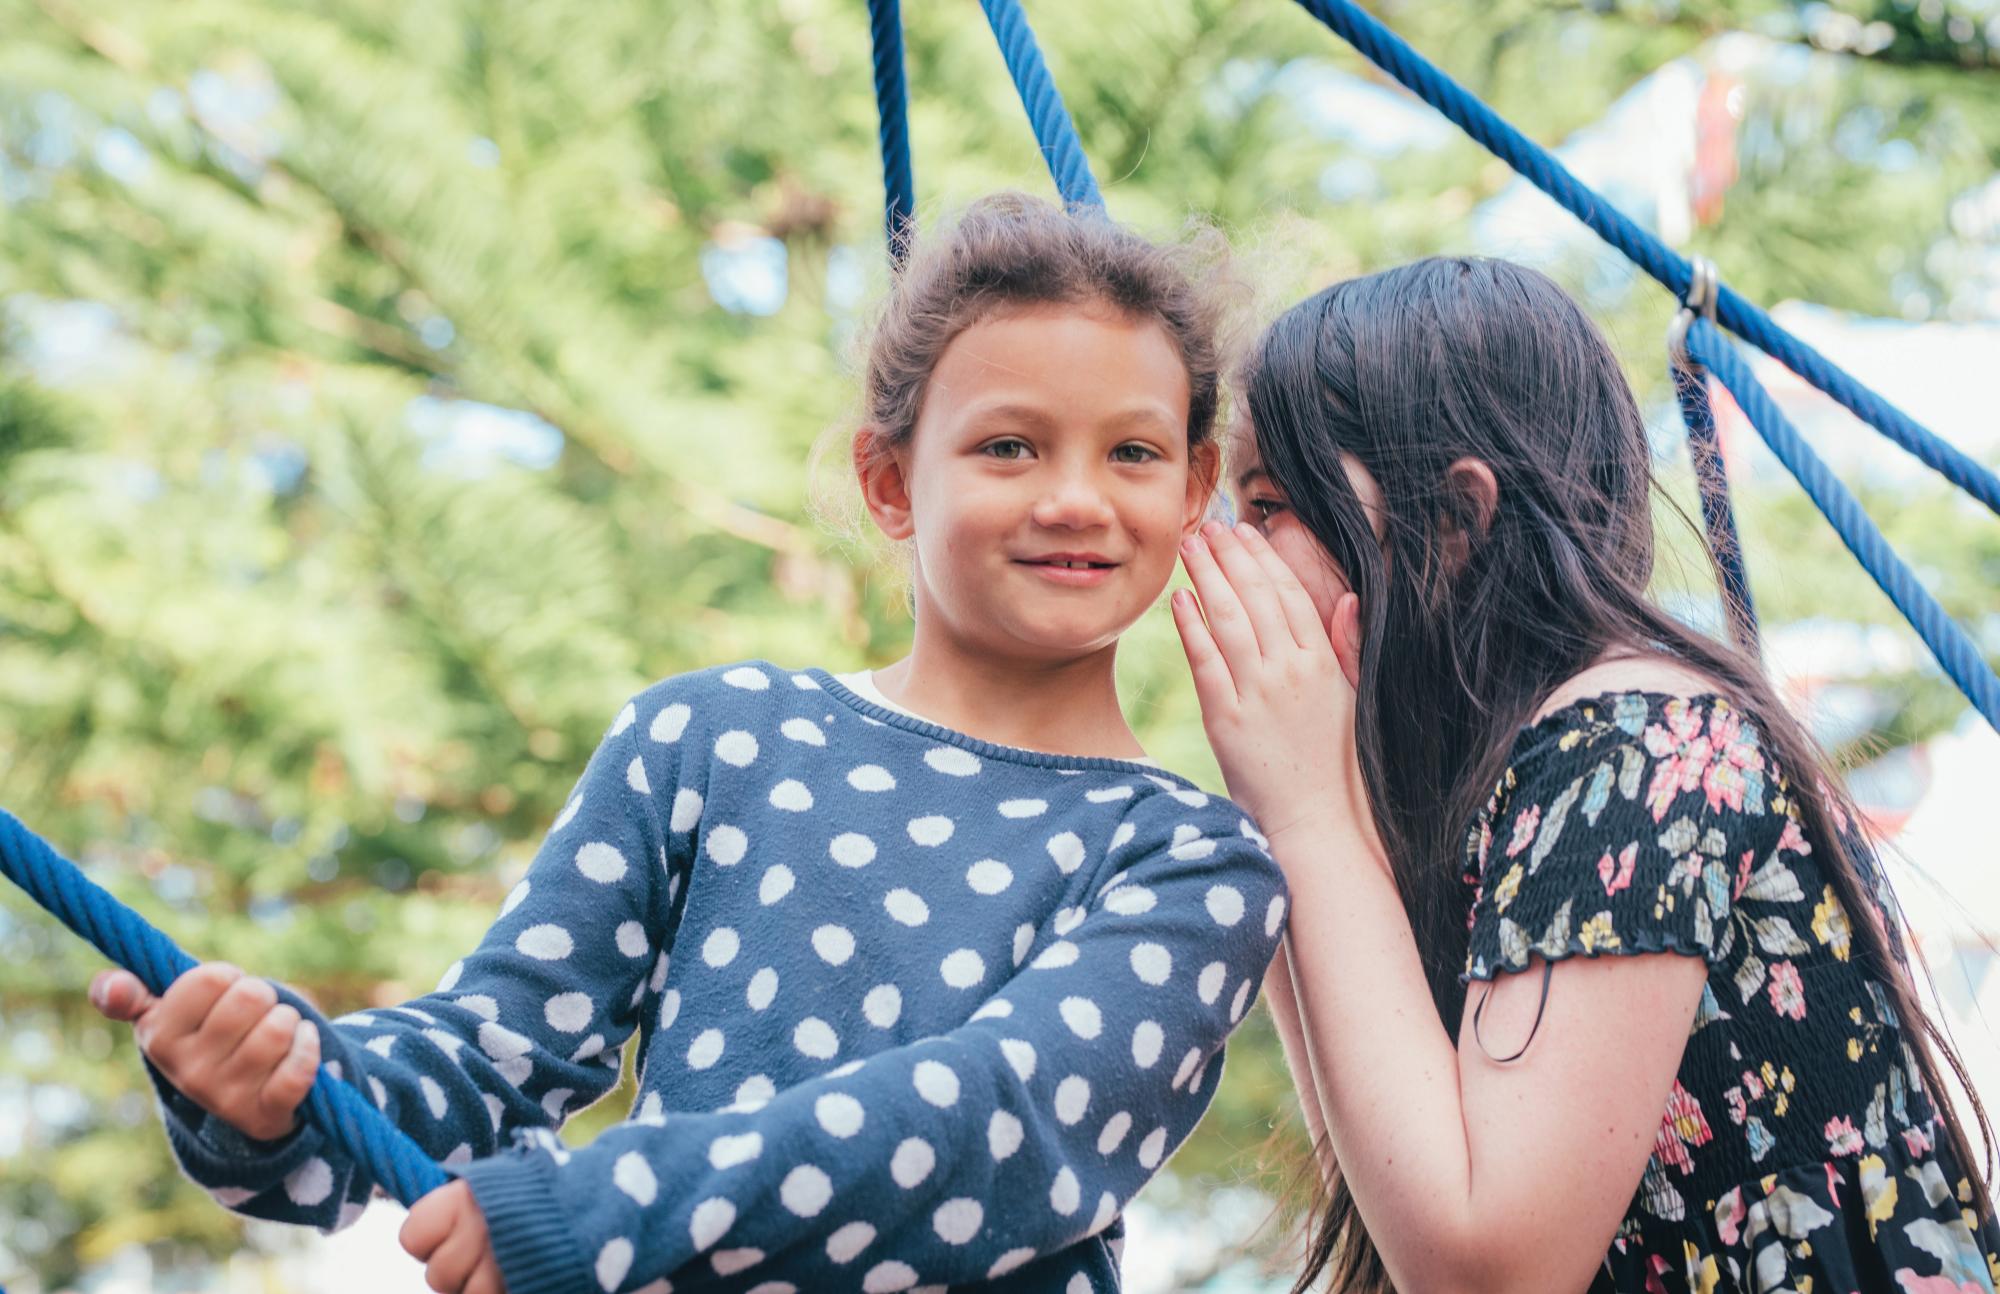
(881, 468)
(1472, 495)
(1204, 474)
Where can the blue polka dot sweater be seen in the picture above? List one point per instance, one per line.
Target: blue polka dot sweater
(912, 1009)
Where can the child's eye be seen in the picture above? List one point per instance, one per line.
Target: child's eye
(1135, 454)
(1264, 509)
(1008, 451)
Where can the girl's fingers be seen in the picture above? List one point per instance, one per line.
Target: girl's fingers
(455, 1259)
(171, 1023)
(1301, 616)
(1212, 682)
(118, 995)
(429, 1222)
(240, 1008)
(1252, 586)
(263, 1047)
(285, 1087)
(485, 1278)
(1228, 623)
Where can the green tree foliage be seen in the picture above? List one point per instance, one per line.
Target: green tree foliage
(301, 677)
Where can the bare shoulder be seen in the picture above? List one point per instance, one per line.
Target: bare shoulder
(1628, 674)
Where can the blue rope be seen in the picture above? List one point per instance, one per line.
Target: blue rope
(339, 1111)
(1717, 516)
(1054, 130)
(1396, 57)
(892, 104)
(1954, 650)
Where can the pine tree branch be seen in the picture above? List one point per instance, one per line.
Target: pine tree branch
(1167, 87)
(540, 395)
(389, 342)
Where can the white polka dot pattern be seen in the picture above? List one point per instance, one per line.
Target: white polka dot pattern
(912, 1162)
(886, 982)
(958, 1220)
(844, 1245)
(763, 989)
(806, 1190)
(883, 1006)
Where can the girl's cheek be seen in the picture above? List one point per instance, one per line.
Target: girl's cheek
(1324, 582)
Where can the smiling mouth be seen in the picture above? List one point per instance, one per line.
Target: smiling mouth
(1069, 572)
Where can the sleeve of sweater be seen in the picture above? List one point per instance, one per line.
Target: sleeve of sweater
(522, 1031)
(953, 1158)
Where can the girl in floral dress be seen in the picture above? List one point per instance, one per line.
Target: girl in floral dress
(1591, 982)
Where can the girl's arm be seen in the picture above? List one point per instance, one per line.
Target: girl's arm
(1472, 1174)
(523, 1031)
(1469, 1173)
(1282, 999)
(951, 1159)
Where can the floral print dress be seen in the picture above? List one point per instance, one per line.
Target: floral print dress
(1798, 1150)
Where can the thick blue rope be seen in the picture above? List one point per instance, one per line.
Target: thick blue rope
(1717, 516)
(1954, 650)
(1396, 57)
(892, 105)
(340, 1112)
(1054, 130)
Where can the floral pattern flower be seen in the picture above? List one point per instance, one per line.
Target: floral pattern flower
(1830, 927)
(1842, 1138)
(1788, 994)
(1616, 873)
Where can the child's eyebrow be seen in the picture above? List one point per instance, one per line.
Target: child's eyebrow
(1025, 414)
(1148, 415)
(1033, 416)
(1249, 475)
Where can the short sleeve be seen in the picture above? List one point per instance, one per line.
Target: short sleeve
(1629, 824)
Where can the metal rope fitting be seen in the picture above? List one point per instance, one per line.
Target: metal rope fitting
(1703, 291)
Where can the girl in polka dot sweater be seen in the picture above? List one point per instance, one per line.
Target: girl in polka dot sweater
(929, 970)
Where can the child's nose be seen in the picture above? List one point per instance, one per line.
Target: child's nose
(1073, 501)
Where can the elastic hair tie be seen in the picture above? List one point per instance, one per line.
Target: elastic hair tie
(1548, 967)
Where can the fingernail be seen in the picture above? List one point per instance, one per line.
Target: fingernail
(1212, 528)
(97, 990)
(1181, 598)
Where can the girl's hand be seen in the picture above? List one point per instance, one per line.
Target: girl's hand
(224, 1040)
(447, 1233)
(1277, 700)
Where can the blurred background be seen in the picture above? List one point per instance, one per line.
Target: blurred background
(388, 390)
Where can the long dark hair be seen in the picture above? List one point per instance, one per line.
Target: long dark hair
(1470, 621)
